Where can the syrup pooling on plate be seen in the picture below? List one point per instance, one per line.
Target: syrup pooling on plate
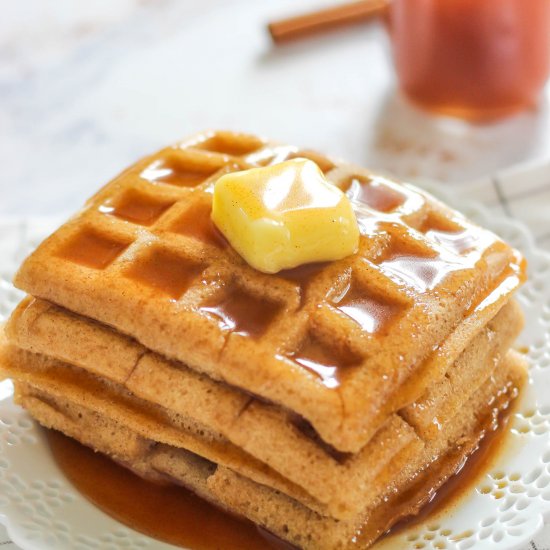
(165, 272)
(166, 512)
(373, 313)
(91, 249)
(196, 222)
(137, 207)
(241, 312)
(177, 171)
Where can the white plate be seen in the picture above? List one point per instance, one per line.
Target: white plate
(507, 507)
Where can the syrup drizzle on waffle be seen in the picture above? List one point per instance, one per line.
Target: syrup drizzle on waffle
(195, 222)
(91, 249)
(242, 313)
(372, 313)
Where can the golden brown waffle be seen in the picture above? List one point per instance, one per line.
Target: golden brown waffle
(265, 432)
(344, 344)
(267, 507)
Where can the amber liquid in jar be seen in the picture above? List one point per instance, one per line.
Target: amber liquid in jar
(475, 59)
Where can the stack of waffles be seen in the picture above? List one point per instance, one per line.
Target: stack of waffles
(310, 401)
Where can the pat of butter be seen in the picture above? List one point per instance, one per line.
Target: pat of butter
(284, 215)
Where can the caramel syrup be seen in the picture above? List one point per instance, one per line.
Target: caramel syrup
(176, 172)
(232, 147)
(476, 59)
(173, 514)
(166, 512)
(424, 273)
(438, 222)
(326, 362)
(449, 234)
(459, 242)
(196, 223)
(240, 312)
(371, 313)
(165, 272)
(375, 194)
(91, 249)
(468, 472)
(322, 162)
(137, 208)
(302, 276)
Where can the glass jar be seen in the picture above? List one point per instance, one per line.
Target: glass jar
(475, 59)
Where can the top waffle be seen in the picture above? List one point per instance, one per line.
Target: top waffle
(343, 343)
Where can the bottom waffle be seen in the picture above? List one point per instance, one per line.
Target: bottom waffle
(268, 507)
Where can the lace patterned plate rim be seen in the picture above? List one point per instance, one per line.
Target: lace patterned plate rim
(508, 505)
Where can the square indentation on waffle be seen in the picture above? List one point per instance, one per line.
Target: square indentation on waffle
(369, 299)
(91, 248)
(238, 310)
(269, 156)
(137, 207)
(182, 168)
(374, 193)
(323, 162)
(448, 233)
(306, 277)
(195, 222)
(165, 272)
(327, 359)
(227, 143)
(414, 262)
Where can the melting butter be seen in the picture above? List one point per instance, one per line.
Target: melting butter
(285, 215)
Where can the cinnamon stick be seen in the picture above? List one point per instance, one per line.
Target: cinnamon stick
(307, 24)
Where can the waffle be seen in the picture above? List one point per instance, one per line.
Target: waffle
(336, 483)
(330, 342)
(309, 401)
(264, 505)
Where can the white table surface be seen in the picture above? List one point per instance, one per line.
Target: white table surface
(87, 87)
